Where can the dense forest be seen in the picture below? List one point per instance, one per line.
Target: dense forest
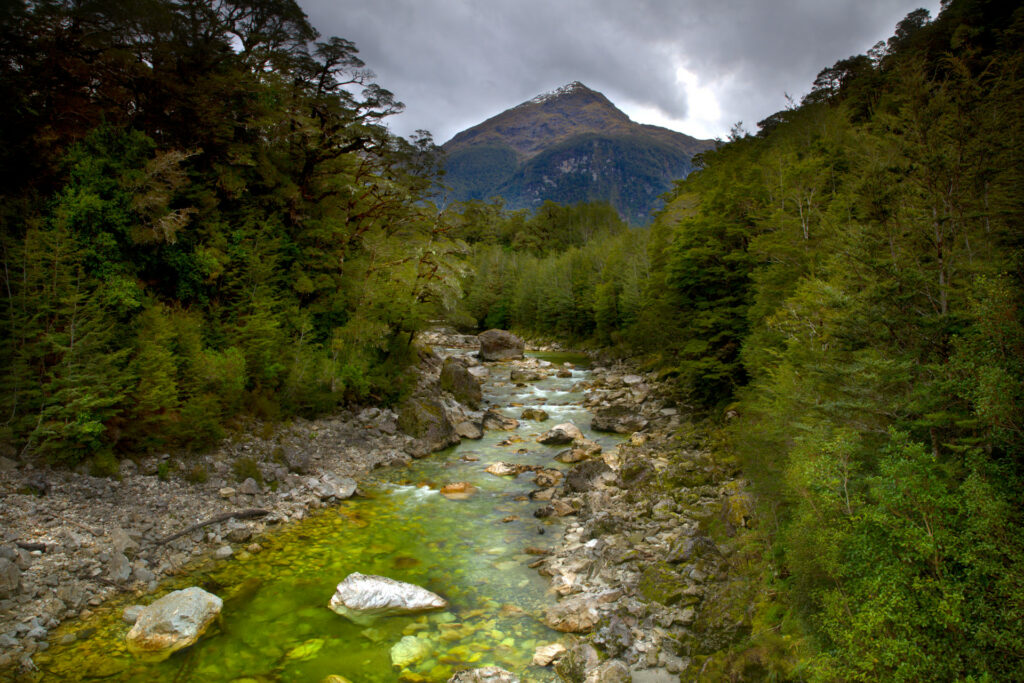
(203, 215)
(840, 293)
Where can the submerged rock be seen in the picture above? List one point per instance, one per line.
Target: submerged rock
(460, 490)
(361, 597)
(500, 345)
(489, 674)
(173, 622)
(409, 650)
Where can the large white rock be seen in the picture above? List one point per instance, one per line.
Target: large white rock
(361, 597)
(173, 622)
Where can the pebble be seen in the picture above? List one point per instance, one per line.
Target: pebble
(223, 552)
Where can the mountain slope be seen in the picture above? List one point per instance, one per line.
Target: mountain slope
(568, 146)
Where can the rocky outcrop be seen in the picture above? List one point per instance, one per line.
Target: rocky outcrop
(617, 418)
(362, 597)
(173, 622)
(456, 379)
(425, 420)
(500, 345)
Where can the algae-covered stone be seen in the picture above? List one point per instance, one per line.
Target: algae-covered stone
(306, 650)
(173, 622)
(409, 650)
(457, 379)
(364, 596)
(500, 345)
(535, 414)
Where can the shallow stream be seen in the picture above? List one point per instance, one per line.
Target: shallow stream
(275, 625)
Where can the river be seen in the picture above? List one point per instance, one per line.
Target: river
(275, 625)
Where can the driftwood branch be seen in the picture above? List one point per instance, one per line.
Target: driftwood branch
(253, 513)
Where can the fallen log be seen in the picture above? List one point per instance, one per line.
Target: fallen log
(253, 513)
(25, 545)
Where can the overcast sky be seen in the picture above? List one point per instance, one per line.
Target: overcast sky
(696, 66)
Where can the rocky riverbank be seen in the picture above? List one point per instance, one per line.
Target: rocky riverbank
(70, 540)
(645, 571)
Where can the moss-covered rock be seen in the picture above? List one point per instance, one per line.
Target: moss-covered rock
(425, 420)
(456, 379)
(661, 583)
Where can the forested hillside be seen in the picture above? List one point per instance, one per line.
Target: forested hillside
(203, 216)
(841, 293)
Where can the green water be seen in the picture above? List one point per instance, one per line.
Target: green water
(275, 625)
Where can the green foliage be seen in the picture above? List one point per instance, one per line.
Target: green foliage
(218, 223)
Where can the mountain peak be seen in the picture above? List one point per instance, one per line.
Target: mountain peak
(573, 88)
(571, 144)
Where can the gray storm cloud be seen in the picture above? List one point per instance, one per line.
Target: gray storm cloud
(456, 62)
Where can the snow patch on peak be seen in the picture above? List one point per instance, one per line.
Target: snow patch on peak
(567, 89)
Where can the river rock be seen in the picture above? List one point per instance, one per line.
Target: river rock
(488, 674)
(618, 419)
(173, 622)
(535, 414)
(331, 486)
(583, 477)
(523, 375)
(131, 613)
(425, 421)
(500, 345)
(10, 578)
(460, 490)
(563, 433)
(612, 671)
(547, 477)
(361, 597)
(495, 420)
(118, 568)
(571, 455)
(456, 379)
(578, 662)
(409, 650)
(469, 430)
(545, 654)
(577, 614)
(506, 469)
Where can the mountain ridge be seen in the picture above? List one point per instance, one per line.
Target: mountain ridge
(568, 145)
